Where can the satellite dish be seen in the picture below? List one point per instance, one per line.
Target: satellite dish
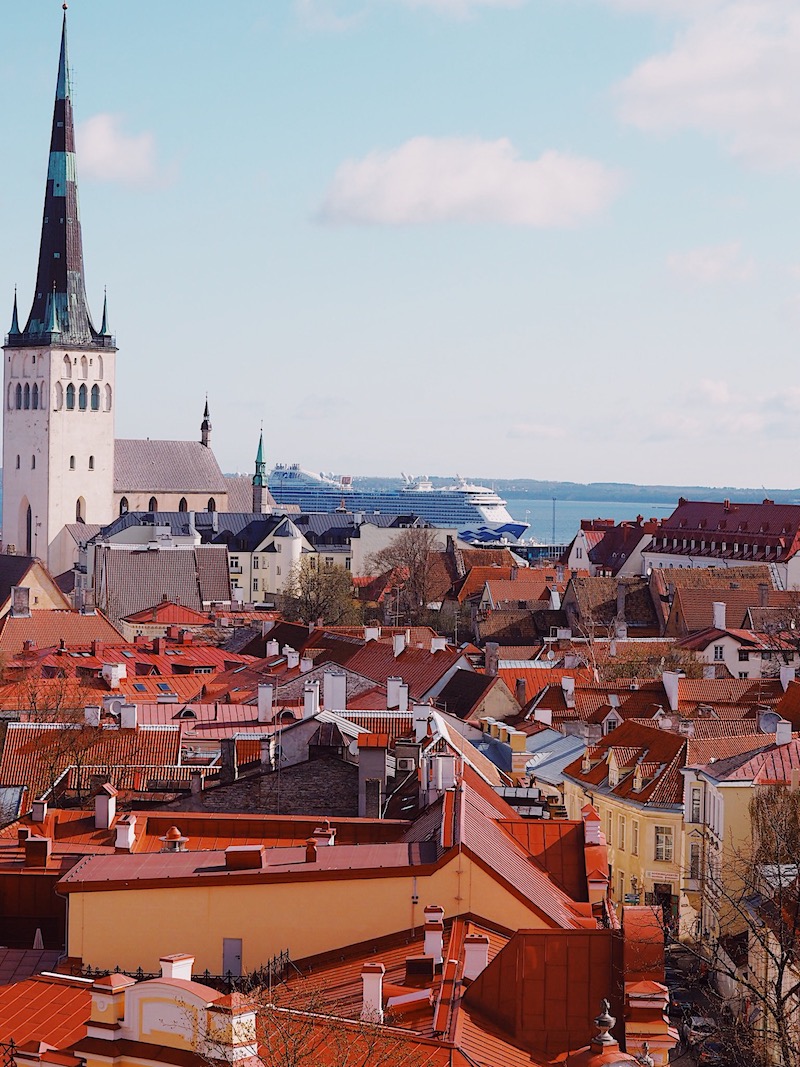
(352, 748)
(551, 655)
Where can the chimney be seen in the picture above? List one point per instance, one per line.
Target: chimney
(787, 676)
(113, 673)
(159, 645)
(39, 811)
(398, 644)
(568, 689)
(372, 998)
(544, 715)
(325, 834)
(311, 850)
(520, 693)
(229, 760)
(334, 691)
(372, 633)
(591, 825)
(292, 659)
(311, 699)
(422, 714)
(91, 714)
(393, 693)
(272, 649)
(196, 782)
(105, 807)
(177, 966)
(671, 683)
(265, 691)
(20, 601)
(444, 772)
(555, 600)
(306, 664)
(126, 832)
(491, 658)
(559, 572)
(783, 732)
(128, 715)
(476, 955)
(763, 595)
(718, 615)
(372, 750)
(37, 851)
(266, 626)
(438, 644)
(434, 933)
(402, 693)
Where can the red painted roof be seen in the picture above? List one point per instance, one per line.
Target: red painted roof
(53, 1010)
(420, 669)
(47, 628)
(168, 612)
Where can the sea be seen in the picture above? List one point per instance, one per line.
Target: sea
(557, 522)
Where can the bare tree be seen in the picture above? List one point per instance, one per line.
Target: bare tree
(314, 591)
(411, 561)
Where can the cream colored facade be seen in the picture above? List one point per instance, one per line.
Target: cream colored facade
(125, 926)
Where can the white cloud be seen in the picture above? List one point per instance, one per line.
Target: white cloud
(456, 179)
(108, 154)
(712, 263)
(527, 431)
(733, 71)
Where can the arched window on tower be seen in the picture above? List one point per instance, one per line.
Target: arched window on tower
(59, 391)
(153, 504)
(95, 398)
(72, 463)
(108, 398)
(123, 506)
(84, 367)
(26, 403)
(82, 398)
(70, 397)
(33, 463)
(99, 367)
(183, 506)
(91, 463)
(19, 396)
(10, 396)
(67, 367)
(80, 510)
(28, 531)
(17, 462)
(212, 504)
(35, 397)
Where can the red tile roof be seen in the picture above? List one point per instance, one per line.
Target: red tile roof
(419, 669)
(168, 612)
(47, 628)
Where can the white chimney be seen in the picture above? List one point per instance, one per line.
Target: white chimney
(177, 966)
(444, 772)
(372, 997)
(671, 682)
(113, 673)
(422, 714)
(39, 811)
(438, 644)
(568, 689)
(787, 675)
(334, 691)
(476, 955)
(555, 600)
(434, 933)
(292, 659)
(372, 633)
(591, 825)
(403, 697)
(783, 732)
(128, 715)
(92, 714)
(265, 691)
(393, 693)
(398, 644)
(105, 807)
(272, 649)
(311, 699)
(718, 615)
(306, 664)
(126, 832)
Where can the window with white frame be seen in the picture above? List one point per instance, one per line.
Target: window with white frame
(635, 837)
(696, 794)
(608, 827)
(694, 859)
(621, 833)
(664, 844)
(719, 653)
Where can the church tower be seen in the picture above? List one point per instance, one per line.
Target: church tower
(58, 426)
(261, 501)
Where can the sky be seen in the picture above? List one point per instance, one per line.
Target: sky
(549, 239)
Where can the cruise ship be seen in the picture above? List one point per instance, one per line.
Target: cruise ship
(475, 511)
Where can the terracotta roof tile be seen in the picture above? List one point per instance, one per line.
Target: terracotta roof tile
(48, 628)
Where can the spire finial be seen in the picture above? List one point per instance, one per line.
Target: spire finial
(14, 317)
(104, 330)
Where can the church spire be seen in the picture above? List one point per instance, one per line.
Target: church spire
(260, 493)
(14, 331)
(60, 294)
(104, 330)
(205, 426)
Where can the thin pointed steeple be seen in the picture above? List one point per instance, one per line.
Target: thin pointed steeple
(14, 331)
(205, 426)
(261, 497)
(104, 330)
(60, 294)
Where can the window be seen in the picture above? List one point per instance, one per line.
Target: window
(620, 886)
(33, 463)
(95, 398)
(72, 463)
(663, 850)
(152, 504)
(182, 505)
(108, 398)
(123, 506)
(17, 462)
(278, 547)
(695, 803)
(59, 391)
(212, 504)
(67, 367)
(27, 400)
(744, 655)
(35, 397)
(70, 397)
(635, 837)
(621, 833)
(608, 827)
(579, 553)
(235, 563)
(19, 396)
(91, 463)
(719, 653)
(82, 398)
(255, 563)
(347, 564)
(140, 687)
(80, 510)
(28, 531)
(277, 570)
(743, 674)
(694, 859)
(255, 585)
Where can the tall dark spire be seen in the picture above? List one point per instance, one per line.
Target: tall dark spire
(60, 295)
(205, 426)
(260, 476)
(14, 316)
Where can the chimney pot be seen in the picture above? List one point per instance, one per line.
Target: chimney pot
(311, 850)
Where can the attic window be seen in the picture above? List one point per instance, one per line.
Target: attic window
(187, 713)
(163, 687)
(139, 687)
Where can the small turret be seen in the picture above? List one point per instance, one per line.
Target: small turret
(205, 427)
(104, 330)
(260, 495)
(14, 317)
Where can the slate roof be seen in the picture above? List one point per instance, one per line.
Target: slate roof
(166, 467)
(463, 692)
(12, 572)
(129, 581)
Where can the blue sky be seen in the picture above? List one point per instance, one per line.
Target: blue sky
(549, 239)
